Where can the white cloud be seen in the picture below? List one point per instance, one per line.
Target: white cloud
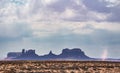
(44, 21)
(47, 2)
(97, 16)
(112, 3)
(68, 13)
(64, 28)
(113, 27)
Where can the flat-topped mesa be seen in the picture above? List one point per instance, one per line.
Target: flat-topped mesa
(74, 50)
(73, 53)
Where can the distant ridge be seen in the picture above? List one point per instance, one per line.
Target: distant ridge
(67, 54)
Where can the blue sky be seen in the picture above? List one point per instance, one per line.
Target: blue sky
(44, 25)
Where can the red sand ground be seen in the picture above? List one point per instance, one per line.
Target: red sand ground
(59, 67)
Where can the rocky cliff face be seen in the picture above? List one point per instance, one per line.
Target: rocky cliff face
(75, 54)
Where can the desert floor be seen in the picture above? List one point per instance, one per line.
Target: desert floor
(59, 67)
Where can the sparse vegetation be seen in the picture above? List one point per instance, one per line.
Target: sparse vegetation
(59, 67)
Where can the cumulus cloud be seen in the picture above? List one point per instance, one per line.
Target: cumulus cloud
(72, 10)
(59, 15)
(106, 7)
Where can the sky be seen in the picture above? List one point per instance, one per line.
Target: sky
(44, 25)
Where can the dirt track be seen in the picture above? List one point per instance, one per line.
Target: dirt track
(59, 67)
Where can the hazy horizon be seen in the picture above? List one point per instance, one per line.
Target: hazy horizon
(44, 25)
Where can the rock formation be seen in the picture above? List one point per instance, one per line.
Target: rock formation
(74, 54)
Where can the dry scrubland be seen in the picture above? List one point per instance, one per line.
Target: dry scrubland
(59, 67)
